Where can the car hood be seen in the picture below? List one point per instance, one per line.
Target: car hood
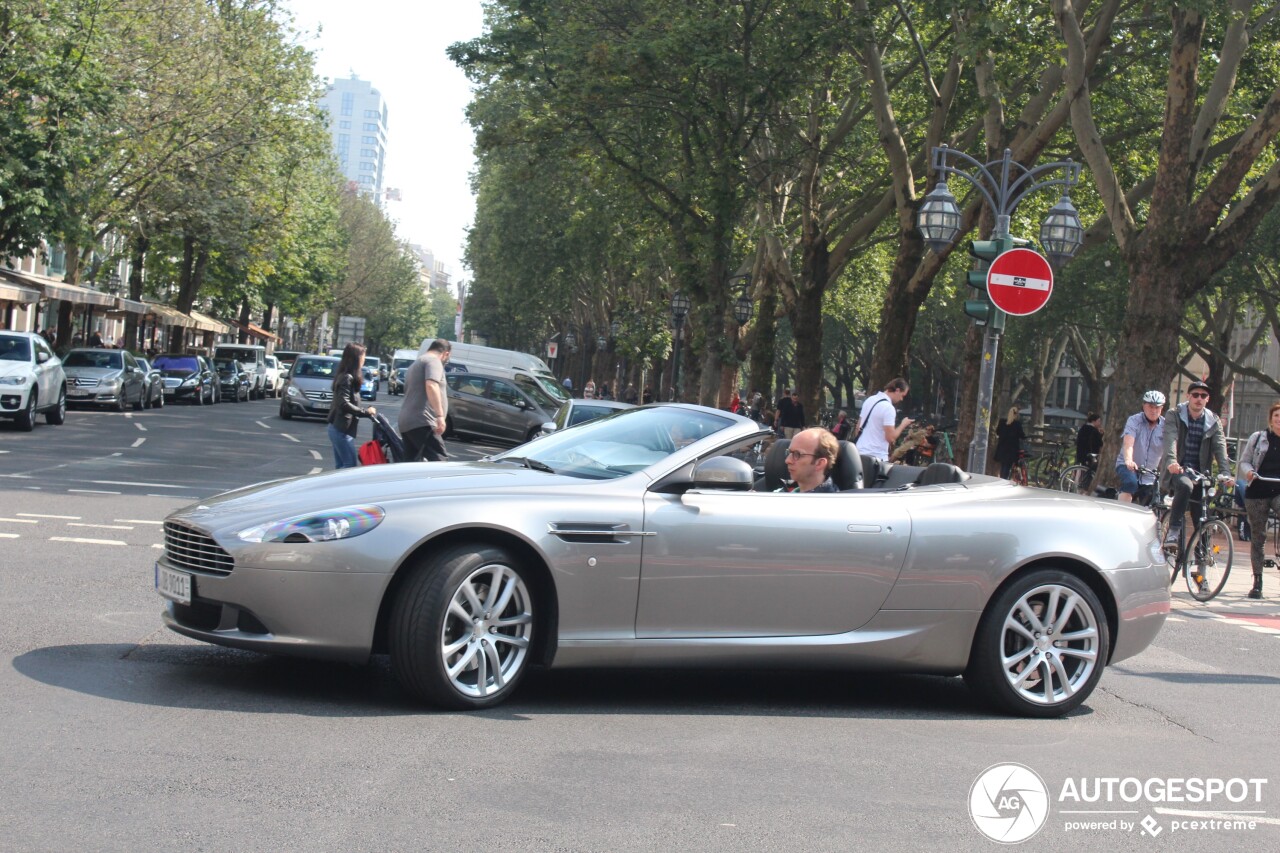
(93, 372)
(373, 484)
(15, 368)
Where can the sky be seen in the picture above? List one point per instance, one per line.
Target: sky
(399, 47)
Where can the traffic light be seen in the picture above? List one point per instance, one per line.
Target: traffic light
(984, 252)
(978, 309)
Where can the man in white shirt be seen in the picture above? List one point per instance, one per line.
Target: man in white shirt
(876, 420)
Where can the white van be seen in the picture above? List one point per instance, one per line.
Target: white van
(254, 359)
(524, 368)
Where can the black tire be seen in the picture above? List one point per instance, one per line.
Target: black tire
(159, 403)
(26, 419)
(1036, 676)
(121, 403)
(142, 400)
(284, 413)
(448, 428)
(491, 652)
(58, 414)
(533, 433)
(1209, 555)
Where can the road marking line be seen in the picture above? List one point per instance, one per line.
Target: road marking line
(315, 454)
(184, 497)
(141, 427)
(4, 451)
(20, 476)
(117, 454)
(291, 438)
(9, 536)
(138, 520)
(99, 526)
(314, 471)
(93, 492)
(261, 424)
(130, 483)
(85, 541)
(138, 443)
(42, 515)
(21, 520)
(158, 546)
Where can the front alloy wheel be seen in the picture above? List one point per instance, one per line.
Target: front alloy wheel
(1040, 646)
(461, 628)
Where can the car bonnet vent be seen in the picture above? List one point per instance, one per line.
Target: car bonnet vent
(188, 548)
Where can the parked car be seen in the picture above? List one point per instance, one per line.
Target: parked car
(308, 392)
(395, 383)
(31, 380)
(275, 376)
(254, 359)
(234, 380)
(496, 408)
(286, 358)
(378, 368)
(574, 411)
(153, 398)
(187, 376)
(104, 377)
(368, 383)
(611, 545)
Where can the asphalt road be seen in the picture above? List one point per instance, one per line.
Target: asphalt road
(116, 734)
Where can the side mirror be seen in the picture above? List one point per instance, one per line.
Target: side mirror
(42, 357)
(548, 428)
(723, 472)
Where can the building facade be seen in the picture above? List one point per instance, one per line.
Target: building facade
(358, 127)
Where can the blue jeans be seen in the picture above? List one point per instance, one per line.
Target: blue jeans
(344, 448)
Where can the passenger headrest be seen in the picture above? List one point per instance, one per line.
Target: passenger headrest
(941, 472)
(847, 471)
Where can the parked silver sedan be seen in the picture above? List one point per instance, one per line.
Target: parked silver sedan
(616, 543)
(104, 377)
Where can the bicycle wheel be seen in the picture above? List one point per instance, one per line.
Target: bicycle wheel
(1209, 554)
(1076, 480)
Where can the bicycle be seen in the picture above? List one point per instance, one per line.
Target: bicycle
(1078, 479)
(1018, 473)
(1209, 547)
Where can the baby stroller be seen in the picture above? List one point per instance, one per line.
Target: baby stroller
(385, 446)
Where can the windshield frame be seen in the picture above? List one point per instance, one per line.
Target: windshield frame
(632, 441)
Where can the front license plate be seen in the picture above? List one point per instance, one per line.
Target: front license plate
(75, 392)
(324, 406)
(175, 586)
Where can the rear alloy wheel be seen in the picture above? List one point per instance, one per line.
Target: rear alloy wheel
(26, 419)
(58, 414)
(1041, 645)
(121, 402)
(462, 626)
(142, 400)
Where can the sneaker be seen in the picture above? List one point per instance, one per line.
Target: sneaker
(1202, 583)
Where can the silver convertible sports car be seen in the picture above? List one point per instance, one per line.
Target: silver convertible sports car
(654, 537)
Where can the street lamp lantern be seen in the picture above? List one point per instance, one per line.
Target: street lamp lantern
(1062, 235)
(742, 310)
(571, 339)
(679, 307)
(939, 218)
(602, 342)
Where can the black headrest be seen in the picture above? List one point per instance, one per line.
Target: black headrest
(775, 465)
(941, 472)
(847, 471)
(873, 471)
(902, 475)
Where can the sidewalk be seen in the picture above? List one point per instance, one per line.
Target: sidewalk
(1234, 602)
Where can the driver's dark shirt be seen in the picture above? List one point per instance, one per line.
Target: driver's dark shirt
(826, 486)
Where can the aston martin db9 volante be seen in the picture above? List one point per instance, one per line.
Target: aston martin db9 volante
(655, 538)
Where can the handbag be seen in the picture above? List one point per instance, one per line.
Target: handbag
(371, 453)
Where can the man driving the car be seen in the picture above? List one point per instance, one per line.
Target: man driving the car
(810, 458)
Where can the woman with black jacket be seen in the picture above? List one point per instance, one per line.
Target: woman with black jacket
(346, 409)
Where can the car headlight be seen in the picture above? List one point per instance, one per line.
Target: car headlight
(292, 392)
(317, 527)
(14, 380)
(111, 382)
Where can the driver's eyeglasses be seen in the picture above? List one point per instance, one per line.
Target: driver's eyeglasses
(796, 454)
(1200, 395)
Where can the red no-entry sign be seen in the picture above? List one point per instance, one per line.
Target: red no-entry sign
(1019, 282)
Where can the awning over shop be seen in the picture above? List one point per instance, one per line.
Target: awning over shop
(18, 293)
(208, 324)
(256, 331)
(51, 288)
(130, 306)
(167, 316)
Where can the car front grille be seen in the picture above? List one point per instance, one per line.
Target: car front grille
(194, 550)
(82, 381)
(318, 395)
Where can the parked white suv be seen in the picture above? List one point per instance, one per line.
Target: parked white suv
(275, 376)
(31, 380)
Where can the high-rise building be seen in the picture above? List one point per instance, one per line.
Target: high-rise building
(358, 127)
(433, 274)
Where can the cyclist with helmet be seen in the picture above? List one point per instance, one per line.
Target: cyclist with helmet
(1141, 446)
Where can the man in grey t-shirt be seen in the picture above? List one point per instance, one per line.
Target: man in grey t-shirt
(426, 405)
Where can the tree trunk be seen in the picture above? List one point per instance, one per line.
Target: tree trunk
(138, 258)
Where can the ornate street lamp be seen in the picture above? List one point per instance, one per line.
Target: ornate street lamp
(679, 310)
(939, 217)
(742, 305)
(1062, 235)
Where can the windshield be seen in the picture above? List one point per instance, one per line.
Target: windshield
(534, 390)
(616, 446)
(13, 348)
(171, 364)
(317, 366)
(402, 363)
(550, 386)
(90, 358)
(224, 365)
(237, 353)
